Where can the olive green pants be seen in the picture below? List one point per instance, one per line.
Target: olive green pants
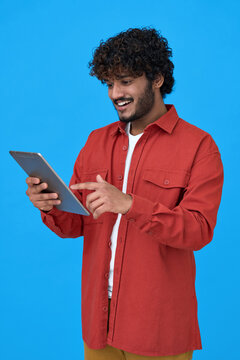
(111, 353)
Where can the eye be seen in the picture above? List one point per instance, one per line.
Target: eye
(126, 82)
(109, 85)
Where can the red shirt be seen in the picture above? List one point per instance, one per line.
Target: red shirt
(175, 179)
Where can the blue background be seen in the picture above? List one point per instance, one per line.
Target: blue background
(49, 104)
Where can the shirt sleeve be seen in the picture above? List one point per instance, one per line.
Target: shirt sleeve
(65, 224)
(191, 223)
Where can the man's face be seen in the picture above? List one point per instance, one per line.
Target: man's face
(133, 98)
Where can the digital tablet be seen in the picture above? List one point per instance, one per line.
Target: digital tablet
(35, 165)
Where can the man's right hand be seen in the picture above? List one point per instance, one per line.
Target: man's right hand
(42, 201)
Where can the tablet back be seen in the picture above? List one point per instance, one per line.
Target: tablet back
(35, 165)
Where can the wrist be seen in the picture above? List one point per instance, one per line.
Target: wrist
(129, 201)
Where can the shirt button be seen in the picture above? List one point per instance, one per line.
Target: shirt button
(105, 308)
(107, 275)
(132, 220)
(166, 182)
(109, 243)
(120, 177)
(124, 147)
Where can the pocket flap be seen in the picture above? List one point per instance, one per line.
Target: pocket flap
(167, 178)
(91, 175)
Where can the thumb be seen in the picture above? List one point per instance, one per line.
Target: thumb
(100, 179)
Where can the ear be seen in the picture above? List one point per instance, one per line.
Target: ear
(157, 83)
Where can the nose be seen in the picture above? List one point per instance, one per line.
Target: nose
(116, 92)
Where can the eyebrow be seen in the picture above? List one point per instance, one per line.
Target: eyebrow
(123, 76)
(120, 77)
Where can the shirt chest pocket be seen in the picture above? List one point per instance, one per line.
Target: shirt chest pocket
(165, 186)
(91, 177)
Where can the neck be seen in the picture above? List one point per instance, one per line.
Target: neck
(158, 109)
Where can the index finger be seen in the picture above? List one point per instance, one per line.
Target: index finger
(86, 185)
(32, 180)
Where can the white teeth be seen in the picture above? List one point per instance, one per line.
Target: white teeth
(123, 103)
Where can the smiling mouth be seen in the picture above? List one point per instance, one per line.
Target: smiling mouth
(122, 104)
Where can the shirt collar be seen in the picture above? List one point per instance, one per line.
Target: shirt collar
(166, 122)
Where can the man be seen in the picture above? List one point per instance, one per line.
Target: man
(152, 183)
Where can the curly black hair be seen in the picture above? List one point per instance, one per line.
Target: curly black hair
(135, 52)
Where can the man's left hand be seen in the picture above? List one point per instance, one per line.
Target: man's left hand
(104, 198)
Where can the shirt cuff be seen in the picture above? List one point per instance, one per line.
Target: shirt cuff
(49, 215)
(140, 211)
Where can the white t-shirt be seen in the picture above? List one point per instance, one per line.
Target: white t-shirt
(132, 140)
